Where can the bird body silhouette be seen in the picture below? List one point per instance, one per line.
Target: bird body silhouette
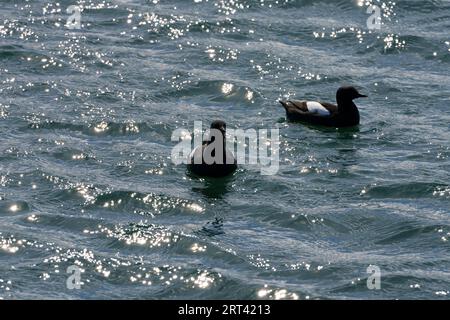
(212, 158)
(344, 114)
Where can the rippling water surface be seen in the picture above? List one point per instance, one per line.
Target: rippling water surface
(86, 179)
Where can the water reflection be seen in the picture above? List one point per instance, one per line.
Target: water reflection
(347, 133)
(214, 188)
(212, 228)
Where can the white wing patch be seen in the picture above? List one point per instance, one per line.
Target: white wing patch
(316, 107)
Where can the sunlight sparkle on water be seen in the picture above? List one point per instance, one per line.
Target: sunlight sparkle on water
(227, 88)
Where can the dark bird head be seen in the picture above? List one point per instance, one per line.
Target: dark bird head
(219, 125)
(347, 94)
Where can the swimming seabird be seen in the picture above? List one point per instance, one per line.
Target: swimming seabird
(212, 158)
(344, 114)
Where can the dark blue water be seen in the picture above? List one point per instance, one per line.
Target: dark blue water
(86, 178)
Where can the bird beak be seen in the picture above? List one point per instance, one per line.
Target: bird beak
(361, 95)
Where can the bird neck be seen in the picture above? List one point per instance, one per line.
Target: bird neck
(224, 147)
(346, 106)
(214, 139)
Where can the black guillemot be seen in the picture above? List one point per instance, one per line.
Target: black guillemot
(344, 114)
(212, 158)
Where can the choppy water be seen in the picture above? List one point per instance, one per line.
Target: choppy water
(86, 118)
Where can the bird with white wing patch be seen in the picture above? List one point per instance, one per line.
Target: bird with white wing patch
(344, 114)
